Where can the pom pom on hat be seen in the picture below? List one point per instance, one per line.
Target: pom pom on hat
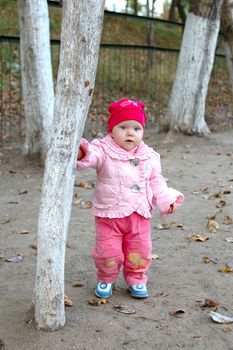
(126, 109)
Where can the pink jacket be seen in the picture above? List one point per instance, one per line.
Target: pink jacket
(126, 182)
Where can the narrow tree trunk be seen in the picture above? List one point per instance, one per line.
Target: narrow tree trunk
(227, 30)
(37, 80)
(172, 12)
(181, 11)
(80, 41)
(186, 108)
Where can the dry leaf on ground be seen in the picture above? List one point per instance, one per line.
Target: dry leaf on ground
(124, 309)
(86, 205)
(207, 260)
(84, 184)
(176, 312)
(212, 225)
(225, 269)
(208, 303)
(68, 301)
(24, 232)
(23, 191)
(198, 237)
(98, 302)
(228, 220)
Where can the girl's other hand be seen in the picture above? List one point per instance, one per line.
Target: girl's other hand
(81, 154)
(172, 208)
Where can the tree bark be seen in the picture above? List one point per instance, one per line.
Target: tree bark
(37, 80)
(186, 107)
(80, 41)
(227, 30)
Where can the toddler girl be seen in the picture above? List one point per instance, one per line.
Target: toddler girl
(129, 183)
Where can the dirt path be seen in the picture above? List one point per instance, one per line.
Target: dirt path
(203, 170)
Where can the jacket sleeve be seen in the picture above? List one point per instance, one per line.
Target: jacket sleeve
(94, 155)
(163, 196)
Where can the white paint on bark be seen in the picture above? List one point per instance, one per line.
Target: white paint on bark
(186, 108)
(37, 80)
(80, 41)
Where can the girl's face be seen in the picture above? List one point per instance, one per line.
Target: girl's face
(128, 134)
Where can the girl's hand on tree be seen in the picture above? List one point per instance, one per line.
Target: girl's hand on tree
(81, 154)
(172, 208)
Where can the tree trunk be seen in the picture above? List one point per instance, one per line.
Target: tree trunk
(172, 11)
(186, 107)
(181, 11)
(37, 80)
(227, 30)
(80, 41)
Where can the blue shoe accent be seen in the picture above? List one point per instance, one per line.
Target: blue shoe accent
(138, 290)
(103, 290)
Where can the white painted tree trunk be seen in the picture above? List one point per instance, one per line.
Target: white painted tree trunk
(227, 29)
(186, 108)
(37, 80)
(80, 41)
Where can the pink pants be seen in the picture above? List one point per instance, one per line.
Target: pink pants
(125, 241)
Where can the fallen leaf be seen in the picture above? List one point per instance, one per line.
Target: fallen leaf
(219, 318)
(227, 329)
(68, 301)
(176, 312)
(78, 285)
(12, 171)
(23, 232)
(226, 192)
(212, 225)
(98, 302)
(155, 257)
(86, 205)
(77, 199)
(215, 195)
(208, 303)
(68, 245)
(164, 226)
(124, 309)
(17, 258)
(221, 204)
(6, 220)
(228, 220)
(162, 294)
(33, 246)
(2, 257)
(181, 226)
(225, 269)
(23, 191)
(229, 239)
(207, 260)
(198, 237)
(84, 184)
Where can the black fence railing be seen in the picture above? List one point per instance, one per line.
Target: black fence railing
(143, 70)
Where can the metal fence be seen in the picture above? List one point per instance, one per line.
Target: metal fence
(142, 70)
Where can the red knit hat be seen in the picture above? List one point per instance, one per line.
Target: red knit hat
(125, 109)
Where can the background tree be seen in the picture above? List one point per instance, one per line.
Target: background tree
(36, 72)
(186, 107)
(180, 6)
(227, 30)
(80, 41)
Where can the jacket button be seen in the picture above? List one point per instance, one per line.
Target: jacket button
(134, 162)
(135, 188)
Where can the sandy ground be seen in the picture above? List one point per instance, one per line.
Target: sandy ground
(202, 168)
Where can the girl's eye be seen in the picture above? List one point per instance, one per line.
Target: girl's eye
(137, 129)
(122, 127)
